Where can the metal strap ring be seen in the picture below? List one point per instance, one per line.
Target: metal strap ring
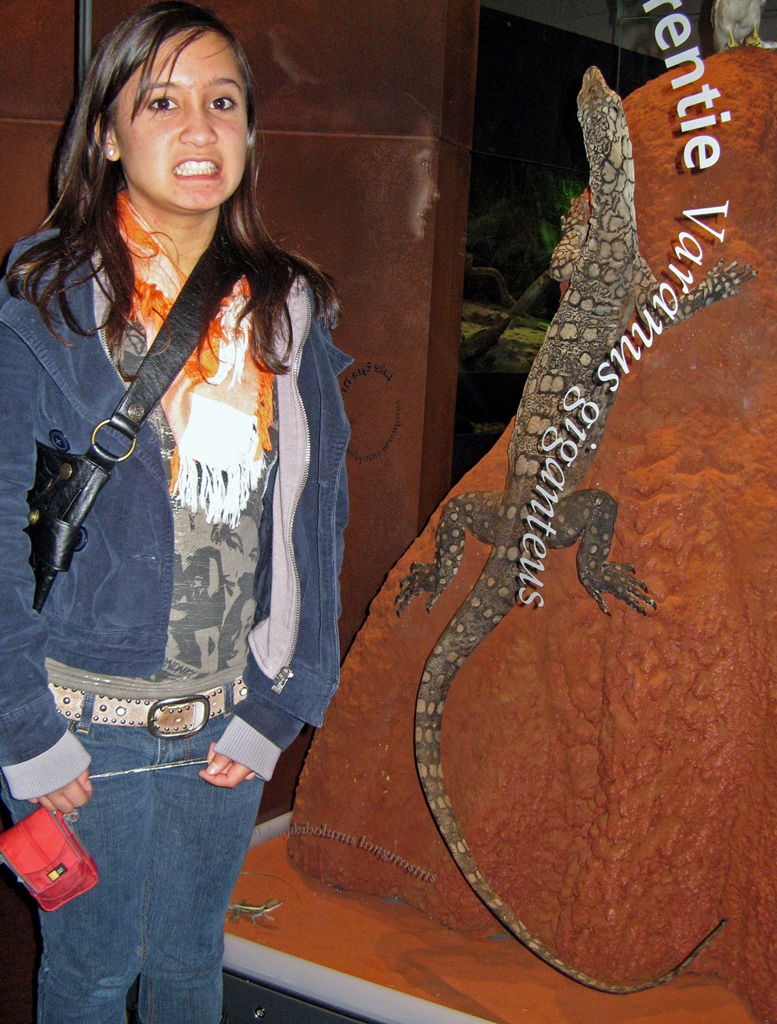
(116, 458)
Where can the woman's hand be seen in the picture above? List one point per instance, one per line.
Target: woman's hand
(67, 798)
(223, 772)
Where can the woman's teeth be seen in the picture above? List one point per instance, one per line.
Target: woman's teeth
(195, 167)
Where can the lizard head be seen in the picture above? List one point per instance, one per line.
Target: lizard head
(606, 135)
(600, 113)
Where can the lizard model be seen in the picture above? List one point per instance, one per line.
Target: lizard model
(608, 279)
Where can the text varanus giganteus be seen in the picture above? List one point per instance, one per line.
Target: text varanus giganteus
(608, 281)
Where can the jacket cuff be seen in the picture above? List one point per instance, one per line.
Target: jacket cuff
(51, 770)
(244, 745)
(264, 713)
(304, 700)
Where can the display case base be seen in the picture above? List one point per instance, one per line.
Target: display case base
(320, 955)
(246, 1002)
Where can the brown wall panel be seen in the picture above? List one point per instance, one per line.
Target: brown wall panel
(450, 236)
(459, 70)
(353, 204)
(26, 151)
(368, 66)
(36, 85)
(36, 59)
(371, 65)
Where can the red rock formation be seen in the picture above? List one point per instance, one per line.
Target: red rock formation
(616, 777)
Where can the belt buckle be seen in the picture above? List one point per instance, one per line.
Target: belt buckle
(156, 726)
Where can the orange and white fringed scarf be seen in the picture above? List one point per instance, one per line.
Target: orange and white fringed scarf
(220, 406)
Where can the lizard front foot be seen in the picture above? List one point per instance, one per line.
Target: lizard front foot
(423, 578)
(722, 282)
(618, 579)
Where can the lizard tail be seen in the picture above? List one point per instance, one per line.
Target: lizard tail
(435, 684)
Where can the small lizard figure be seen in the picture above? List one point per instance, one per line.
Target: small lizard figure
(252, 911)
(608, 279)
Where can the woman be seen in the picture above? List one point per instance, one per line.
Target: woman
(234, 495)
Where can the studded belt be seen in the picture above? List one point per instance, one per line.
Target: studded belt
(175, 716)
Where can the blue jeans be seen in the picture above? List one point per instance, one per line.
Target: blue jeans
(169, 848)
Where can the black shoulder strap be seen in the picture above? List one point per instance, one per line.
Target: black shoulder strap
(175, 342)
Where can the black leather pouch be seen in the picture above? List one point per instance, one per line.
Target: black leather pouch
(64, 490)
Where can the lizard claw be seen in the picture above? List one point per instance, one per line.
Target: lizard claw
(727, 281)
(423, 578)
(618, 579)
(600, 601)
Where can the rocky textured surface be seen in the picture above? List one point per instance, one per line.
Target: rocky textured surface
(614, 776)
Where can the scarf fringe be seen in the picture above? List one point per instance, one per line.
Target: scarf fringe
(221, 494)
(215, 472)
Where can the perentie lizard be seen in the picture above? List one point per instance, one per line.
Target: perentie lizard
(608, 280)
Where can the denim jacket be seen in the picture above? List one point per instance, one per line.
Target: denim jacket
(110, 612)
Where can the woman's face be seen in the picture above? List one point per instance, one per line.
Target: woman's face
(184, 153)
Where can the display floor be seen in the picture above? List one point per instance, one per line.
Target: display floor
(383, 961)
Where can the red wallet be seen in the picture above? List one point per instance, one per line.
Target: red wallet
(46, 857)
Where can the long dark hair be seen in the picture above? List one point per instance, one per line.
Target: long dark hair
(88, 239)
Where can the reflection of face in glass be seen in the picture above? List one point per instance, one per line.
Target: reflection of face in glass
(423, 193)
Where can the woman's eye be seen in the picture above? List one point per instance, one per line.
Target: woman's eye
(162, 103)
(223, 103)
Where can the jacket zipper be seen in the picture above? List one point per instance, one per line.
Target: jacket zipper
(286, 673)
